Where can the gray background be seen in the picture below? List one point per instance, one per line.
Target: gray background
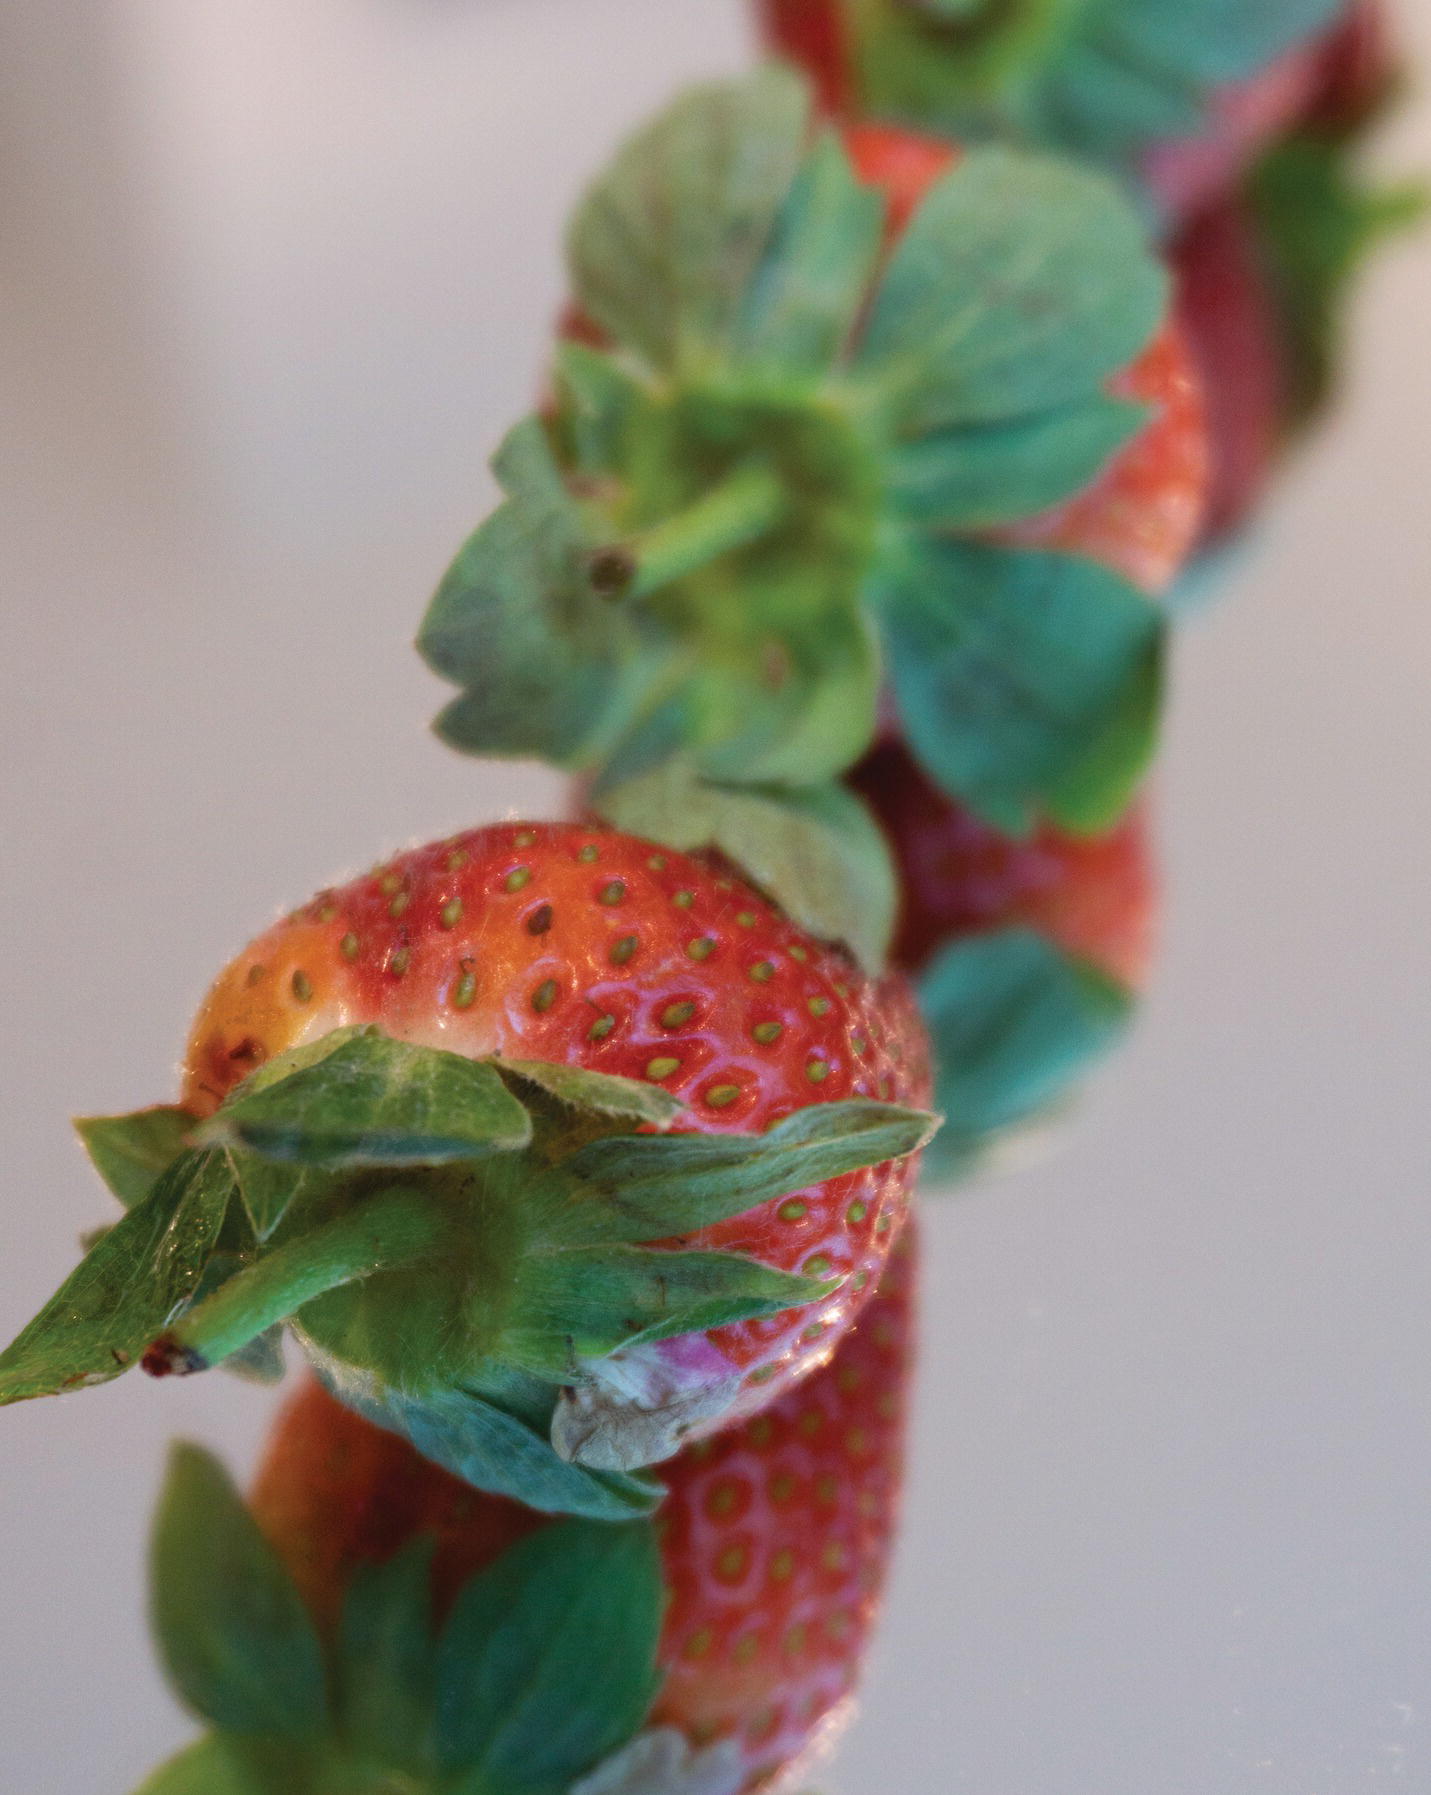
(274, 275)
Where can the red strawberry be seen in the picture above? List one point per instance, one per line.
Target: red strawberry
(1230, 318)
(1095, 897)
(775, 1537)
(582, 947)
(1142, 514)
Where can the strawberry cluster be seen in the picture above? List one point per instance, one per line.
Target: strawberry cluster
(577, 1157)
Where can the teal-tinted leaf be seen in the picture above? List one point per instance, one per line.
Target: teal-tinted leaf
(238, 1645)
(1020, 285)
(126, 1288)
(1025, 680)
(665, 245)
(600, 404)
(814, 848)
(375, 1101)
(596, 1093)
(652, 1187)
(1003, 473)
(386, 1660)
(1105, 98)
(548, 1662)
(129, 1152)
(497, 1451)
(588, 1301)
(1014, 1022)
(221, 1766)
(261, 1361)
(814, 279)
(1207, 41)
(545, 664)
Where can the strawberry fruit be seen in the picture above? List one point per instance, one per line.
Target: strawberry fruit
(773, 1544)
(540, 1130)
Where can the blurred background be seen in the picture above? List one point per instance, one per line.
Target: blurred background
(274, 277)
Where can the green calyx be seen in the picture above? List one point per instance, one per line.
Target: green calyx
(782, 427)
(1014, 1023)
(541, 1674)
(456, 1243)
(1104, 80)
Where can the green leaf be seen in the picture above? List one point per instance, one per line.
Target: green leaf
(585, 1302)
(652, 1187)
(815, 849)
(375, 1101)
(548, 1662)
(221, 1766)
(664, 247)
(261, 1361)
(812, 285)
(126, 1288)
(1208, 41)
(493, 1450)
(598, 1093)
(548, 668)
(1318, 220)
(1014, 1023)
(1025, 680)
(386, 1660)
(237, 1642)
(1020, 285)
(1003, 473)
(130, 1152)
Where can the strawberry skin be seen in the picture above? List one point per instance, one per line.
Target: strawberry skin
(775, 1535)
(1095, 897)
(1143, 513)
(584, 947)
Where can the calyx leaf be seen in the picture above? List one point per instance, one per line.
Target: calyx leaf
(771, 421)
(130, 1152)
(1014, 1023)
(238, 1644)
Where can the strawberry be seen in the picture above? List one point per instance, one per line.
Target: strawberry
(1142, 512)
(774, 1538)
(810, 436)
(449, 1210)
(1095, 897)
(1181, 97)
(1029, 950)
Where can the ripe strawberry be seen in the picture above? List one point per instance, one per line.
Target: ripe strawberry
(1142, 513)
(1095, 897)
(775, 1537)
(419, 1113)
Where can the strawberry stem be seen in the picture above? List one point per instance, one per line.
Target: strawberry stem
(391, 1228)
(742, 508)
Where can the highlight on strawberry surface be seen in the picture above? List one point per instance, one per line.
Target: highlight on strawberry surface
(901, 382)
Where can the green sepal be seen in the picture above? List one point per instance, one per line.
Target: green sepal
(126, 1288)
(222, 1765)
(665, 246)
(1027, 682)
(548, 667)
(593, 1094)
(261, 1361)
(586, 1302)
(814, 848)
(1020, 285)
(131, 1152)
(1318, 220)
(803, 302)
(374, 1101)
(1103, 82)
(385, 1660)
(548, 1660)
(642, 1186)
(238, 1645)
(1014, 1023)
(494, 1449)
(994, 474)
